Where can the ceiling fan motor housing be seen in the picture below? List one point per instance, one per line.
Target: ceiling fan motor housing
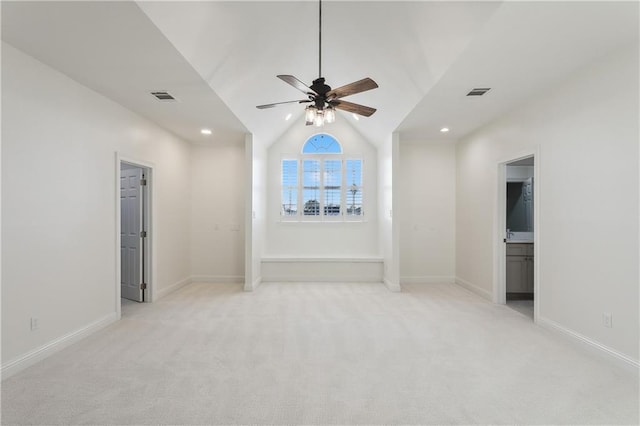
(319, 87)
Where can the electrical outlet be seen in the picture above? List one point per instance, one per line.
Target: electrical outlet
(35, 324)
(607, 319)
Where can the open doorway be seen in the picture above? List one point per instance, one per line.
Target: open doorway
(135, 218)
(517, 216)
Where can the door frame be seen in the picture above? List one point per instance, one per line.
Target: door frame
(149, 213)
(500, 226)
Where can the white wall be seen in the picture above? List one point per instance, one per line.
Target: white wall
(218, 175)
(58, 203)
(256, 196)
(426, 211)
(586, 129)
(338, 239)
(388, 229)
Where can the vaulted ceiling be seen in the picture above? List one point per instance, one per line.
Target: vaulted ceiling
(220, 58)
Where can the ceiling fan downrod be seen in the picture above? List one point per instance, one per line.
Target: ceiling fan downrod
(319, 38)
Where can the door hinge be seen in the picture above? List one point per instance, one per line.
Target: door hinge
(143, 182)
(143, 234)
(143, 286)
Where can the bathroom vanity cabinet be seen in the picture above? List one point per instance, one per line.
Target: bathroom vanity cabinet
(519, 268)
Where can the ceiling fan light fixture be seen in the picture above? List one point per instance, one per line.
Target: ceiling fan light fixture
(310, 115)
(330, 115)
(319, 120)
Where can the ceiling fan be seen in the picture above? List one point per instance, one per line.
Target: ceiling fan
(324, 100)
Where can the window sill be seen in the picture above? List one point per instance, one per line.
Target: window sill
(323, 222)
(283, 259)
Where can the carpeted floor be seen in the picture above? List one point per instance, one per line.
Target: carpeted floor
(322, 354)
(525, 307)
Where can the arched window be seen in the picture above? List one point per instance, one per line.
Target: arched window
(322, 183)
(322, 143)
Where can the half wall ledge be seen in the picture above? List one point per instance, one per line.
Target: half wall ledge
(322, 269)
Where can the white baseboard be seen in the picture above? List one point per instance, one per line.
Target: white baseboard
(619, 358)
(392, 286)
(428, 279)
(173, 287)
(217, 279)
(252, 286)
(474, 288)
(32, 357)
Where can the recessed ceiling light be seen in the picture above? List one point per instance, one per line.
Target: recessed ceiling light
(287, 117)
(205, 131)
(444, 129)
(356, 117)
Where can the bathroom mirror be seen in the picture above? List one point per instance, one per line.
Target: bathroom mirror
(520, 206)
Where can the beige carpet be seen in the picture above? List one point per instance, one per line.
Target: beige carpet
(525, 307)
(322, 354)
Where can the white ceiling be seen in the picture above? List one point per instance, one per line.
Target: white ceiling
(524, 49)
(114, 49)
(240, 47)
(220, 59)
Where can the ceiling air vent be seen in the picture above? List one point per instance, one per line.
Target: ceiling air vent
(478, 92)
(163, 96)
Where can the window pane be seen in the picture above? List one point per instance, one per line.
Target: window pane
(311, 187)
(289, 187)
(354, 187)
(332, 183)
(322, 143)
(289, 202)
(354, 172)
(354, 201)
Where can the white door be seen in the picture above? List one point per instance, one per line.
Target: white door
(131, 244)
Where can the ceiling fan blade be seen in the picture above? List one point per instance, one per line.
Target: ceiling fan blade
(297, 84)
(352, 88)
(282, 103)
(354, 108)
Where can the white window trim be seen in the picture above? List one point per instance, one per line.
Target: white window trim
(322, 218)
